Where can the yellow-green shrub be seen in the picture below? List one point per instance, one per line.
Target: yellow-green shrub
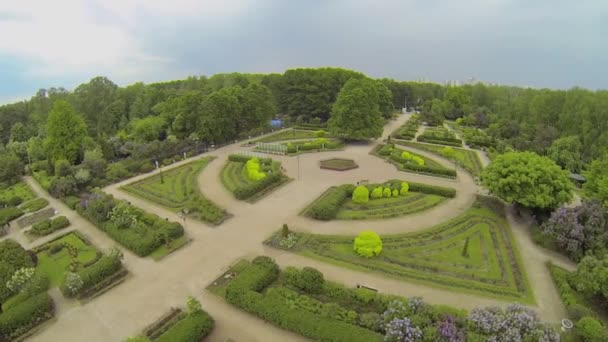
(368, 244)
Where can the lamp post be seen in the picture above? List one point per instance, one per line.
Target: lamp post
(160, 171)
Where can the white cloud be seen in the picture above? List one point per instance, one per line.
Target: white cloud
(94, 38)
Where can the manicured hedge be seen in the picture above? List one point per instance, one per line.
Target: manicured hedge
(12, 257)
(243, 292)
(191, 328)
(48, 226)
(24, 316)
(395, 155)
(91, 276)
(243, 159)
(34, 205)
(327, 207)
(441, 140)
(150, 231)
(8, 214)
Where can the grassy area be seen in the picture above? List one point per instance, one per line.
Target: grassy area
(235, 179)
(381, 208)
(393, 154)
(287, 135)
(173, 245)
(468, 159)
(218, 287)
(489, 265)
(179, 190)
(55, 265)
(19, 189)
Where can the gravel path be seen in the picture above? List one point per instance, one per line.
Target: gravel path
(153, 287)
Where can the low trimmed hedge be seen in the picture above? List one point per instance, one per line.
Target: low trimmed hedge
(24, 316)
(245, 192)
(441, 140)
(91, 276)
(243, 159)
(244, 292)
(394, 154)
(8, 214)
(49, 226)
(34, 205)
(191, 328)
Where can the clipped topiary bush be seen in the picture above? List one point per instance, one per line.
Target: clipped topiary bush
(368, 244)
(404, 188)
(588, 329)
(361, 195)
(419, 161)
(377, 192)
(387, 192)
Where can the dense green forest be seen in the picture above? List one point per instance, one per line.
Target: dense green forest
(100, 122)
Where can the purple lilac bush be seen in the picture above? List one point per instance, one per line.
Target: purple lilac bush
(402, 330)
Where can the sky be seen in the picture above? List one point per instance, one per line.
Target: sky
(539, 43)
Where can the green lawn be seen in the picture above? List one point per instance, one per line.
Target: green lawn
(234, 175)
(388, 207)
(174, 245)
(468, 159)
(19, 189)
(179, 190)
(54, 266)
(286, 135)
(491, 267)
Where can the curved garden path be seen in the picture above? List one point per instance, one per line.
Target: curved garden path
(153, 287)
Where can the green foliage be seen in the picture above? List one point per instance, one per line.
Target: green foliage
(368, 244)
(91, 276)
(20, 278)
(253, 170)
(8, 214)
(22, 317)
(191, 328)
(588, 329)
(567, 153)
(66, 131)
(327, 207)
(377, 192)
(34, 205)
(356, 114)
(528, 179)
(592, 276)
(11, 168)
(360, 195)
(468, 159)
(12, 258)
(147, 129)
(395, 193)
(236, 179)
(49, 226)
(309, 279)
(387, 192)
(405, 187)
(320, 133)
(62, 168)
(193, 305)
(597, 180)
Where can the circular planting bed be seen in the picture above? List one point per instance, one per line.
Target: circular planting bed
(338, 164)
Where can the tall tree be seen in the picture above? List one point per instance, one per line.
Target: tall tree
(356, 114)
(91, 100)
(433, 112)
(597, 180)
(385, 100)
(528, 179)
(218, 117)
(257, 107)
(66, 132)
(18, 132)
(458, 100)
(567, 153)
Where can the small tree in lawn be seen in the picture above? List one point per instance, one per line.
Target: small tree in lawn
(404, 188)
(377, 192)
(360, 195)
(285, 231)
(387, 192)
(465, 248)
(419, 161)
(395, 193)
(368, 244)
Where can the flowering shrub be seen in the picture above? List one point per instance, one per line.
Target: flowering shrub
(396, 309)
(515, 323)
(73, 283)
(193, 305)
(122, 215)
(449, 330)
(20, 278)
(289, 241)
(402, 330)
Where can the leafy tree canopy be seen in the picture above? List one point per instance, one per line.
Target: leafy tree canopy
(528, 179)
(597, 180)
(66, 131)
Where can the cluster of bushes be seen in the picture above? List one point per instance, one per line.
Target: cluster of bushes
(138, 231)
(34, 205)
(28, 304)
(244, 292)
(8, 214)
(92, 276)
(253, 170)
(409, 129)
(439, 139)
(247, 190)
(396, 156)
(193, 327)
(303, 302)
(316, 144)
(587, 327)
(477, 138)
(328, 205)
(48, 226)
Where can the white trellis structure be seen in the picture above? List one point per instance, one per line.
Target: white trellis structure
(251, 154)
(272, 148)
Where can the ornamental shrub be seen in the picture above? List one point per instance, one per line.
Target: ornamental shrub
(406, 155)
(404, 188)
(311, 280)
(419, 161)
(320, 133)
(20, 278)
(73, 283)
(253, 169)
(193, 305)
(368, 244)
(387, 192)
(23, 315)
(192, 328)
(361, 195)
(395, 193)
(588, 329)
(377, 192)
